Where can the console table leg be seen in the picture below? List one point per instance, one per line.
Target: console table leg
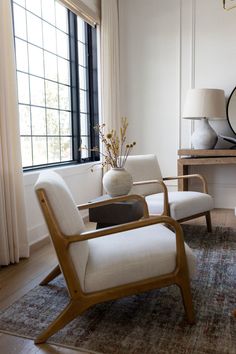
(182, 170)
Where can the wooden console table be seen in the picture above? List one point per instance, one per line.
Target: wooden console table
(192, 157)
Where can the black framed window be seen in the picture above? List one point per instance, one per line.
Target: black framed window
(56, 60)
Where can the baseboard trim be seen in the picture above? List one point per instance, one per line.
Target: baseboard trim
(34, 246)
(44, 240)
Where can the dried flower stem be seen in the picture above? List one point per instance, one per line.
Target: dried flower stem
(116, 151)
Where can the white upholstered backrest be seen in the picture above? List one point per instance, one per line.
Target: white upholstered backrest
(143, 168)
(67, 216)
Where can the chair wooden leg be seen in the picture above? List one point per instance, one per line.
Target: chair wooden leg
(72, 310)
(52, 275)
(187, 300)
(208, 221)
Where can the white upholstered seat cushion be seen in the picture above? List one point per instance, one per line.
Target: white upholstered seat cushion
(131, 256)
(182, 204)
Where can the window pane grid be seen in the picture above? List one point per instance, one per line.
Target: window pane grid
(43, 37)
(33, 105)
(40, 47)
(22, 7)
(50, 136)
(83, 66)
(40, 87)
(42, 77)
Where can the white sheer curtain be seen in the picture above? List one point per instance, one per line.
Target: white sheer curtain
(13, 230)
(110, 64)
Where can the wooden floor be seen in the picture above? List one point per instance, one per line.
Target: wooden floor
(16, 280)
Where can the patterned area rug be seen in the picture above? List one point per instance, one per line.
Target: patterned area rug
(152, 322)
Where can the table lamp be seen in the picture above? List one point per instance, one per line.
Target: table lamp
(204, 104)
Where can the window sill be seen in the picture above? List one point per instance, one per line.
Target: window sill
(30, 177)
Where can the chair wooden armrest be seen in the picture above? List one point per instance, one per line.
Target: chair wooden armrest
(203, 180)
(151, 181)
(122, 198)
(166, 210)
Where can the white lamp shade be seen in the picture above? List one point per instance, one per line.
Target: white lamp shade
(205, 103)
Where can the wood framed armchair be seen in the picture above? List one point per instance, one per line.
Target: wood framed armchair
(112, 262)
(180, 205)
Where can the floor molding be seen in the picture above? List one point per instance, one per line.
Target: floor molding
(39, 243)
(44, 240)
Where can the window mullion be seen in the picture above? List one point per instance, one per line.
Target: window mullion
(74, 79)
(93, 89)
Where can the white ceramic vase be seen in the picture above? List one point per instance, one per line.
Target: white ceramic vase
(117, 181)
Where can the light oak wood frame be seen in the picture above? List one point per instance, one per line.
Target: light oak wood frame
(166, 206)
(80, 301)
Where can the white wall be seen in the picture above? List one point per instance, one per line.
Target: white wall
(166, 48)
(84, 185)
(150, 76)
